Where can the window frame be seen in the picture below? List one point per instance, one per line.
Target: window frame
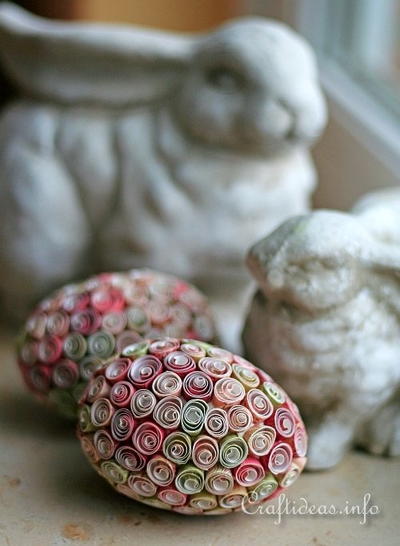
(352, 104)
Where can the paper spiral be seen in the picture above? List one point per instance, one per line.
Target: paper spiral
(167, 412)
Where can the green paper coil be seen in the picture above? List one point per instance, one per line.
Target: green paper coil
(190, 480)
(233, 451)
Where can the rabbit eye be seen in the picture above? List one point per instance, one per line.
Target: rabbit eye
(223, 78)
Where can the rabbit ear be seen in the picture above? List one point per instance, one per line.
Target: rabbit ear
(81, 62)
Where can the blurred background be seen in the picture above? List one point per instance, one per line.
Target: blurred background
(358, 47)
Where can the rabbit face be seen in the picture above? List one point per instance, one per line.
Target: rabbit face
(312, 262)
(253, 86)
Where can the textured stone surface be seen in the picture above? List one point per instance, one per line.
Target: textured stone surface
(132, 147)
(325, 322)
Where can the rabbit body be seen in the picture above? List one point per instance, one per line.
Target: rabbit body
(325, 322)
(150, 149)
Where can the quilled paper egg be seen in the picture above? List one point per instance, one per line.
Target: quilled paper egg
(186, 426)
(68, 335)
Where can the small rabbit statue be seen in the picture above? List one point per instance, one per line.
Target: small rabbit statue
(131, 147)
(325, 322)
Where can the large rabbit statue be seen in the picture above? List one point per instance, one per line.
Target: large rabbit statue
(326, 323)
(130, 147)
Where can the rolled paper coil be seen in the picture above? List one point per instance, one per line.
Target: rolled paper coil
(101, 344)
(28, 352)
(235, 499)
(50, 349)
(114, 322)
(121, 393)
(137, 319)
(189, 480)
(233, 451)
(240, 418)
(65, 374)
(148, 438)
(144, 370)
(290, 476)
(101, 412)
(167, 412)
(104, 444)
(193, 416)
(219, 480)
(250, 472)
(280, 458)
(84, 419)
(259, 404)
(159, 313)
(89, 365)
(172, 497)
(113, 472)
(205, 452)
(107, 299)
(124, 489)
(98, 388)
(203, 501)
(163, 347)
(122, 424)
(177, 447)
(248, 378)
(300, 440)
(274, 393)
(75, 346)
(85, 322)
(40, 378)
(220, 354)
(88, 449)
(263, 490)
(228, 392)
(57, 323)
(126, 339)
(36, 325)
(142, 403)
(130, 458)
(260, 439)
(166, 384)
(179, 362)
(193, 350)
(284, 422)
(180, 315)
(135, 349)
(117, 369)
(142, 486)
(216, 422)
(161, 471)
(215, 367)
(197, 385)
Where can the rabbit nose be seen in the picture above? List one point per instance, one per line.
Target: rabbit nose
(272, 119)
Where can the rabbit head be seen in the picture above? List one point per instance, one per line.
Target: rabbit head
(253, 86)
(318, 261)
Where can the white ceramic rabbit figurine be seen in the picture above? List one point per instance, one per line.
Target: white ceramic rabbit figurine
(326, 323)
(132, 147)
